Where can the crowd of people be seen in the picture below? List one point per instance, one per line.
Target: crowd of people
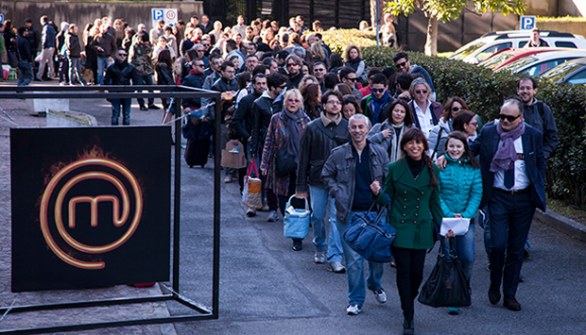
(331, 129)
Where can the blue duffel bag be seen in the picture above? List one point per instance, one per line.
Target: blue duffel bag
(371, 240)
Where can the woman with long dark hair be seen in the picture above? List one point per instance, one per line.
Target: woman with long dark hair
(390, 132)
(164, 70)
(413, 187)
(311, 100)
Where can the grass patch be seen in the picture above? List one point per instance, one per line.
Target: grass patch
(572, 212)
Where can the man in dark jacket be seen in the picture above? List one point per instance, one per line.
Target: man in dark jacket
(194, 79)
(320, 137)
(294, 64)
(376, 105)
(105, 46)
(49, 43)
(73, 53)
(24, 56)
(121, 73)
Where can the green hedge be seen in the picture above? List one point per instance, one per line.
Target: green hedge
(485, 90)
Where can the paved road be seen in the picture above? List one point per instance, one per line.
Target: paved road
(266, 288)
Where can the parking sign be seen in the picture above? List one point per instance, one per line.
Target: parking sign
(167, 14)
(527, 22)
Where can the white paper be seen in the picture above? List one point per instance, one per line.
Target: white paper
(458, 225)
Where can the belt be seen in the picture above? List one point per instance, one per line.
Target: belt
(513, 192)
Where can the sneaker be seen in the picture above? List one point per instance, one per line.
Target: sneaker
(273, 216)
(250, 212)
(319, 257)
(380, 296)
(228, 179)
(336, 267)
(153, 106)
(354, 309)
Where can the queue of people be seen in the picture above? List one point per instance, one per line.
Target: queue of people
(358, 138)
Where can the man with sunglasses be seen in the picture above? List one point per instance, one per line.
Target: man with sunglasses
(293, 66)
(348, 76)
(512, 163)
(121, 73)
(403, 65)
(377, 104)
(320, 137)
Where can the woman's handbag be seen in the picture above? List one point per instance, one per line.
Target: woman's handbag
(285, 163)
(371, 239)
(252, 192)
(233, 155)
(296, 221)
(447, 285)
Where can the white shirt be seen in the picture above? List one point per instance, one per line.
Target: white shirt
(425, 118)
(521, 179)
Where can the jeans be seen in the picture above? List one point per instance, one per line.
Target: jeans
(319, 198)
(63, 69)
(25, 75)
(355, 264)
(464, 248)
(75, 71)
(146, 79)
(125, 103)
(102, 65)
(46, 58)
(510, 220)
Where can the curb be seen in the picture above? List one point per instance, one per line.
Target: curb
(562, 224)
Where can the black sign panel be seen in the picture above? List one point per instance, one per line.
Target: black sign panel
(90, 206)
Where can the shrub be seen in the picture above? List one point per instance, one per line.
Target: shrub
(338, 39)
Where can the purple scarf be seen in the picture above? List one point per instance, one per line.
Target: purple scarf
(505, 156)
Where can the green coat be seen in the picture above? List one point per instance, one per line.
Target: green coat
(415, 207)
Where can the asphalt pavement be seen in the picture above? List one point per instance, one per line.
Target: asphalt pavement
(266, 288)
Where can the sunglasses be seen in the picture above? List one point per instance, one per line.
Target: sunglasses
(292, 64)
(351, 79)
(399, 65)
(294, 100)
(378, 90)
(318, 70)
(474, 123)
(199, 65)
(122, 55)
(455, 109)
(421, 91)
(509, 118)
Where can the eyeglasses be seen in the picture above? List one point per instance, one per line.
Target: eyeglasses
(122, 55)
(294, 100)
(509, 118)
(333, 102)
(473, 123)
(199, 65)
(318, 70)
(378, 90)
(400, 65)
(200, 50)
(351, 79)
(455, 109)
(421, 91)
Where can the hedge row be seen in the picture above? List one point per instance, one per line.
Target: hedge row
(485, 90)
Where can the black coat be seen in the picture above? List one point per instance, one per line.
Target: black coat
(121, 73)
(242, 120)
(73, 46)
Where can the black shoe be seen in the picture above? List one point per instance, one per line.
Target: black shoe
(512, 304)
(153, 106)
(297, 245)
(494, 295)
(143, 108)
(408, 327)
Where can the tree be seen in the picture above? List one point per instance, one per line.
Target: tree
(449, 10)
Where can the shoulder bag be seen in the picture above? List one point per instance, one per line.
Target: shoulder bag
(371, 239)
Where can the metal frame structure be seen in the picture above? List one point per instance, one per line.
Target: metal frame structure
(173, 292)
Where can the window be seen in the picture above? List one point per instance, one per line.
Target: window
(565, 44)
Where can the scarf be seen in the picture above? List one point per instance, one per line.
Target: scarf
(293, 128)
(377, 105)
(354, 63)
(395, 152)
(505, 156)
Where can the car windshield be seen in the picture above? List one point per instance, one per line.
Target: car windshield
(467, 50)
(497, 60)
(562, 70)
(519, 63)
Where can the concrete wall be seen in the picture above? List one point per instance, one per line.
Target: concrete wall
(556, 7)
(82, 13)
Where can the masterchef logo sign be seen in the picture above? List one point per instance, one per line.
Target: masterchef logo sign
(91, 207)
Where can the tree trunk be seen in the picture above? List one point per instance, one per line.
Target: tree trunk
(373, 16)
(431, 41)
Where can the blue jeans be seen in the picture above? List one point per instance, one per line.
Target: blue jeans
(510, 221)
(125, 103)
(146, 79)
(464, 248)
(102, 65)
(355, 265)
(320, 197)
(26, 73)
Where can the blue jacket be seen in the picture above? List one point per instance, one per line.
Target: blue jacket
(461, 188)
(49, 36)
(486, 145)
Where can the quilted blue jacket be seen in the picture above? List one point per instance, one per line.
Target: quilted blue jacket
(460, 188)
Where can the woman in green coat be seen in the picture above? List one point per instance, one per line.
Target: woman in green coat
(412, 185)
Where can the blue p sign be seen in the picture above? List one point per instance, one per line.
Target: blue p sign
(158, 14)
(527, 22)
(1, 18)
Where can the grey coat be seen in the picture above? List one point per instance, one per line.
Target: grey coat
(339, 175)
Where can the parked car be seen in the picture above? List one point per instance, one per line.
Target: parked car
(571, 72)
(538, 64)
(506, 56)
(481, 48)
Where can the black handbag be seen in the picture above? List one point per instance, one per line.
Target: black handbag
(285, 163)
(447, 285)
(371, 240)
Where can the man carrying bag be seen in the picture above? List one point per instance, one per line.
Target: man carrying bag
(348, 174)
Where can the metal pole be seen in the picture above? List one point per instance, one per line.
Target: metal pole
(177, 199)
(217, 192)
(377, 23)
